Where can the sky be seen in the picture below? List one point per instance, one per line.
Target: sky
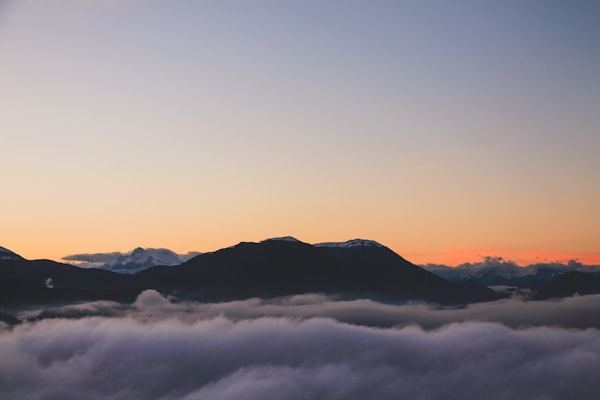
(447, 131)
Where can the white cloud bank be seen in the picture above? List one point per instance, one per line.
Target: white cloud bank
(578, 312)
(159, 350)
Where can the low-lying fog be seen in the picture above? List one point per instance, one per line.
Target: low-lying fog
(303, 347)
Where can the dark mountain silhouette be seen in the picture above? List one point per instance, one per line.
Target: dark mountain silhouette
(570, 284)
(9, 319)
(280, 267)
(272, 268)
(14, 293)
(6, 254)
(43, 281)
(497, 271)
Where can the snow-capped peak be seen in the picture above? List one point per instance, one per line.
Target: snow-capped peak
(6, 254)
(141, 258)
(131, 262)
(350, 243)
(284, 239)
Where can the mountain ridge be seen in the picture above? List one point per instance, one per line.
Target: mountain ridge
(6, 254)
(271, 268)
(131, 262)
(493, 271)
(275, 267)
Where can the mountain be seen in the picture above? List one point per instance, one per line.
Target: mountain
(17, 293)
(8, 319)
(494, 271)
(279, 267)
(44, 281)
(131, 262)
(140, 259)
(570, 284)
(6, 254)
(350, 244)
(287, 266)
(271, 268)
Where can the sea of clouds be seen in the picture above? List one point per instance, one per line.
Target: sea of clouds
(303, 347)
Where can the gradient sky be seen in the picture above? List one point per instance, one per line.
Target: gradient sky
(446, 130)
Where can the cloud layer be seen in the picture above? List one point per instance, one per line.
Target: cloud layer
(160, 350)
(578, 312)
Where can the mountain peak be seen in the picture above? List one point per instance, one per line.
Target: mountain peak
(351, 243)
(6, 254)
(283, 239)
(140, 258)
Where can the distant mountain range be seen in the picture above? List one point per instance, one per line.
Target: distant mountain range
(131, 262)
(569, 284)
(271, 268)
(494, 271)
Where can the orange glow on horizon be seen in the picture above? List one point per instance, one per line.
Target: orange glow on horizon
(449, 257)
